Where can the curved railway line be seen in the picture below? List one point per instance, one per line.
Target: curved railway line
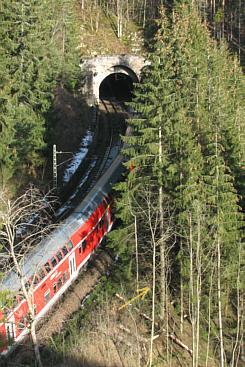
(104, 149)
(109, 123)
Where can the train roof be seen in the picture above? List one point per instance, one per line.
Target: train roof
(47, 248)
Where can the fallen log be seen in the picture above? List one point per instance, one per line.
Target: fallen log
(169, 335)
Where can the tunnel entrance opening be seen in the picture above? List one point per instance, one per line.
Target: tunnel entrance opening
(117, 86)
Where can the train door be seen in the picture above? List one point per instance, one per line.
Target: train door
(10, 331)
(107, 219)
(72, 265)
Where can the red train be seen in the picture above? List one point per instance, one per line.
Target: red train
(54, 265)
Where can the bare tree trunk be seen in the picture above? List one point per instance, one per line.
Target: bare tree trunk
(198, 286)
(14, 217)
(162, 242)
(119, 19)
(239, 31)
(136, 251)
(220, 305)
(35, 344)
(153, 300)
(27, 295)
(242, 347)
(136, 242)
(181, 297)
(209, 314)
(192, 311)
(236, 348)
(144, 13)
(219, 262)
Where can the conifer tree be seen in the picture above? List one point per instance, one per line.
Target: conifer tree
(187, 147)
(66, 36)
(30, 67)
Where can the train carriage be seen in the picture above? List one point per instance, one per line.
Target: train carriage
(55, 263)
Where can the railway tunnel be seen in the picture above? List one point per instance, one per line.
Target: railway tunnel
(111, 76)
(117, 86)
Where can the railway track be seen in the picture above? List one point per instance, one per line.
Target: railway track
(109, 124)
(70, 302)
(110, 121)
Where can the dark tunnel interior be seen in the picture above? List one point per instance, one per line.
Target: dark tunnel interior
(117, 86)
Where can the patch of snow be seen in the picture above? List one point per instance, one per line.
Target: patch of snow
(68, 204)
(77, 157)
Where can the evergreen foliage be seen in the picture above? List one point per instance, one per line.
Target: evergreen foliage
(32, 61)
(188, 139)
(30, 71)
(67, 38)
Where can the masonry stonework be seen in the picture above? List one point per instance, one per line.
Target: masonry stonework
(96, 69)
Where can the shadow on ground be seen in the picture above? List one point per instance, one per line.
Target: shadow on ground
(53, 360)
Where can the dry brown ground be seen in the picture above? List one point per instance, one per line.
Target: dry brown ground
(73, 118)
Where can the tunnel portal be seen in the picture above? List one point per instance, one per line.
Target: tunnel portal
(105, 73)
(117, 86)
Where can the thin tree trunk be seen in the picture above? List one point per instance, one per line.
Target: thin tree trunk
(192, 311)
(144, 13)
(136, 251)
(35, 344)
(153, 301)
(220, 305)
(219, 261)
(239, 31)
(162, 242)
(136, 242)
(209, 315)
(198, 288)
(119, 19)
(181, 295)
(235, 352)
(26, 295)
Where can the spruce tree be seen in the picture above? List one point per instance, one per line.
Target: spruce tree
(67, 39)
(186, 148)
(29, 64)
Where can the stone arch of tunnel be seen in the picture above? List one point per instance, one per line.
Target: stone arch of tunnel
(118, 84)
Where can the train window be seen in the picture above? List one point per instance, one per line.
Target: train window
(59, 255)
(47, 267)
(102, 221)
(53, 261)
(21, 325)
(15, 302)
(35, 280)
(80, 249)
(105, 204)
(20, 297)
(55, 287)
(69, 244)
(27, 285)
(99, 224)
(41, 273)
(65, 277)
(64, 250)
(59, 283)
(8, 332)
(110, 198)
(84, 244)
(47, 296)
